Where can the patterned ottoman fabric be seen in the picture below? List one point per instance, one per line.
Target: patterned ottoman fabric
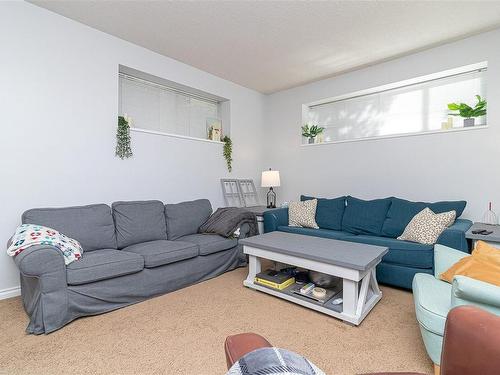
(273, 361)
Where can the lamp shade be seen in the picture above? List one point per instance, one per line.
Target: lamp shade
(270, 178)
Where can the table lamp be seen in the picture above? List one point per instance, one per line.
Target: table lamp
(270, 179)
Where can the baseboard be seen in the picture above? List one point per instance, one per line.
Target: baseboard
(10, 292)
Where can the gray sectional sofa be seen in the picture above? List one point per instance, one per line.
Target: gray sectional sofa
(132, 251)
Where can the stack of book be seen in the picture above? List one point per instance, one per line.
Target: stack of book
(274, 279)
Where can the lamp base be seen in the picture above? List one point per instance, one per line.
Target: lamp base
(271, 198)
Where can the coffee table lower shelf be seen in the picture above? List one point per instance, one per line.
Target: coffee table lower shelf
(325, 308)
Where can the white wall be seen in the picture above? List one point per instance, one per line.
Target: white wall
(461, 165)
(59, 103)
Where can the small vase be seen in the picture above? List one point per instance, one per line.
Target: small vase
(311, 140)
(468, 122)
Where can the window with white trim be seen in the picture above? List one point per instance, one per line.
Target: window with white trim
(161, 107)
(409, 107)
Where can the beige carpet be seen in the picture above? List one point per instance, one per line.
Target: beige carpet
(183, 333)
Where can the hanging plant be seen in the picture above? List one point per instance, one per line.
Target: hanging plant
(228, 151)
(123, 149)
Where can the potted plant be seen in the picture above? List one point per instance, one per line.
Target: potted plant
(310, 132)
(123, 149)
(228, 152)
(467, 112)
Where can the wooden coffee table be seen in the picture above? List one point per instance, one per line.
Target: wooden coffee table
(353, 262)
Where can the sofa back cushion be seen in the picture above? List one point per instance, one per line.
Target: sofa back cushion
(139, 221)
(329, 212)
(91, 225)
(186, 217)
(402, 211)
(365, 216)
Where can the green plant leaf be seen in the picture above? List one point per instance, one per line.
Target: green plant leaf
(480, 113)
(227, 152)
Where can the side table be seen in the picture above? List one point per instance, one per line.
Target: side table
(492, 239)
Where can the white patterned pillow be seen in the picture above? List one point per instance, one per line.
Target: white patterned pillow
(302, 214)
(426, 226)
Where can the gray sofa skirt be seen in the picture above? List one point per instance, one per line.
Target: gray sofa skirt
(50, 303)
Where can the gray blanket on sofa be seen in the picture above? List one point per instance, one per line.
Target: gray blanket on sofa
(225, 221)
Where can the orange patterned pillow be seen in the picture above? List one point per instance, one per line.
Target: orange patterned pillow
(483, 265)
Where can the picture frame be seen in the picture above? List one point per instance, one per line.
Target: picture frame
(214, 129)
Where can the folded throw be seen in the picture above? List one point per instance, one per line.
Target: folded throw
(28, 235)
(225, 221)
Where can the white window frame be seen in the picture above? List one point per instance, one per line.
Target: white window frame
(400, 84)
(145, 78)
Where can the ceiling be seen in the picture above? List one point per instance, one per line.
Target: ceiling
(274, 45)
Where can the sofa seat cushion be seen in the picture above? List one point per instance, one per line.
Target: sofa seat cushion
(325, 233)
(329, 212)
(139, 221)
(161, 252)
(432, 302)
(365, 217)
(402, 211)
(103, 264)
(403, 253)
(210, 243)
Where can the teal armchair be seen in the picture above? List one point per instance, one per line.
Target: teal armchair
(434, 298)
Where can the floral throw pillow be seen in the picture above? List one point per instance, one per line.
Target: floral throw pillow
(302, 214)
(426, 226)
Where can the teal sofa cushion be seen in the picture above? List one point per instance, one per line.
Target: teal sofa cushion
(403, 253)
(365, 217)
(402, 211)
(329, 212)
(325, 233)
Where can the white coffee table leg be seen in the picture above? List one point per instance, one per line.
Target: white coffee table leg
(350, 297)
(254, 267)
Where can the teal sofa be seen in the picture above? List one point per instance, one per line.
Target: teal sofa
(435, 298)
(379, 222)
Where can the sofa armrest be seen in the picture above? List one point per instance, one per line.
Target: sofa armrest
(468, 291)
(40, 260)
(44, 288)
(445, 257)
(454, 236)
(274, 218)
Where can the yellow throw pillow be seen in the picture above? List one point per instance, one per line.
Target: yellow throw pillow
(483, 265)
(488, 252)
